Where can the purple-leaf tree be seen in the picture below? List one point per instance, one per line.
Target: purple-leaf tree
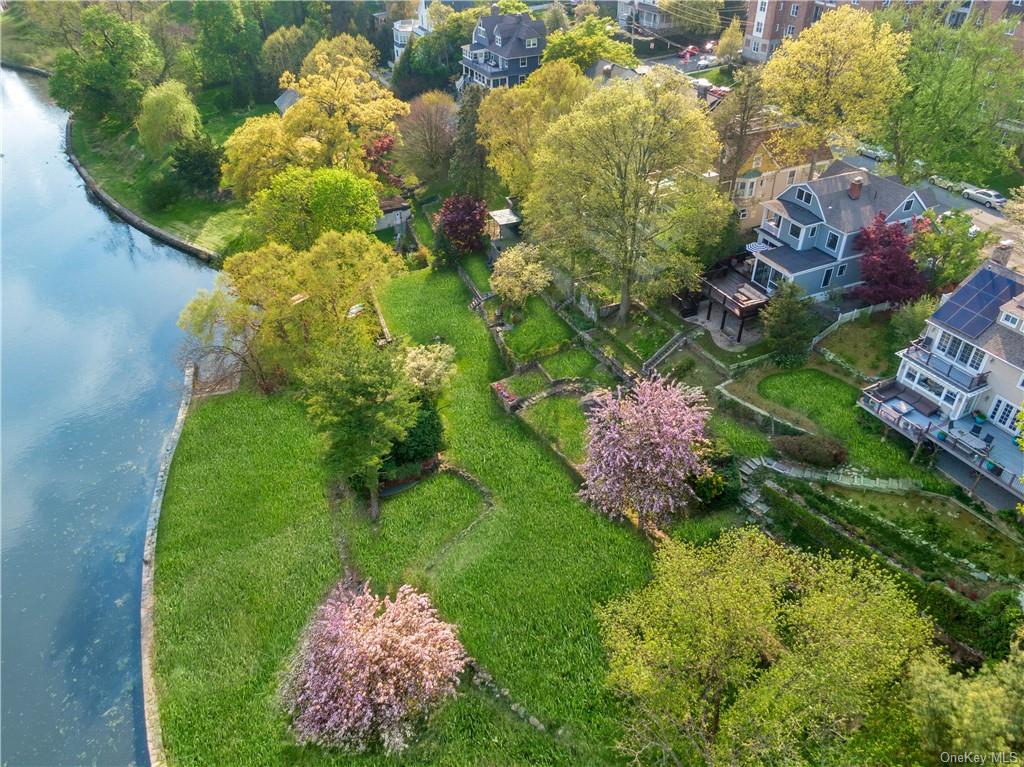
(461, 222)
(646, 448)
(368, 668)
(888, 270)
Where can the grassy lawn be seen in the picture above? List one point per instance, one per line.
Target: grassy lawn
(705, 528)
(866, 344)
(539, 332)
(22, 42)
(476, 267)
(561, 421)
(527, 384)
(421, 227)
(691, 370)
(114, 158)
(707, 343)
(523, 582)
(717, 76)
(832, 405)
(743, 441)
(577, 363)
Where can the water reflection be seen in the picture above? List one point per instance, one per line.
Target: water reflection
(89, 388)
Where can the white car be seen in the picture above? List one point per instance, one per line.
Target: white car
(706, 62)
(950, 186)
(987, 197)
(874, 152)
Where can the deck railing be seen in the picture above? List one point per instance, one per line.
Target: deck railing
(922, 354)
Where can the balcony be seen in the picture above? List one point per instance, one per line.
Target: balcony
(920, 353)
(484, 68)
(989, 451)
(771, 229)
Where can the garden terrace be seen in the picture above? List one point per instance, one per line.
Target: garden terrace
(539, 332)
(577, 362)
(865, 345)
(692, 370)
(560, 420)
(736, 295)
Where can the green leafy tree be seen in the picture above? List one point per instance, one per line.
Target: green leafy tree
(730, 44)
(588, 41)
(555, 17)
(469, 157)
(968, 80)
(908, 321)
(229, 46)
(585, 10)
(301, 204)
(981, 712)
(837, 79)
(168, 116)
(428, 136)
(951, 249)
(110, 68)
(1014, 208)
(196, 161)
(788, 324)
(513, 120)
(746, 652)
(634, 200)
(737, 119)
(285, 48)
(359, 396)
(429, 368)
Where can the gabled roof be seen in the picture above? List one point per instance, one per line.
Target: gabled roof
(288, 97)
(514, 29)
(792, 211)
(756, 143)
(849, 215)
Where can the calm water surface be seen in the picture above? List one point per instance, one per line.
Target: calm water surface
(90, 387)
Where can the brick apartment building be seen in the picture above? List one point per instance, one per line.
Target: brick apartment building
(769, 22)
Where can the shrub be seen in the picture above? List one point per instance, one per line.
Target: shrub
(424, 440)
(197, 161)
(160, 193)
(368, 668)
(810, 448)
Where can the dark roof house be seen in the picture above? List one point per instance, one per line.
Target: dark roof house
(505, 50)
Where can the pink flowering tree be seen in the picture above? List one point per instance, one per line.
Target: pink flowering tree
(368, 669)
(647, 448)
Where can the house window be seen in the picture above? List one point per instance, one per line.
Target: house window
(745, 188)
(1004, 414)
(813, 231)
(842, 270)
(910, 375)
(908, 204)
(755, 46)
(762, 6)
(743, 213)
(531, 42)
(497, 40)
(790, 30)
(758, 28)
(756, 162)
(791, 177)
(523, 63)
(795, 230)
(795, 10)
(826, 278)
(960, 351)
(1011, 319)
(832, 241)
(803, 195)
(949, 397)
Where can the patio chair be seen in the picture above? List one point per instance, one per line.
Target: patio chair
(988, 439)
(976, 430)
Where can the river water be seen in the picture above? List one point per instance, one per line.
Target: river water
(90, 387)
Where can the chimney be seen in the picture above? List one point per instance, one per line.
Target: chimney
(607, 71)
(494, 9)
(855, 186)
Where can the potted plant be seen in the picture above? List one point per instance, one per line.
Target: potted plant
(989, 465)
(979, 417)
(941, 434)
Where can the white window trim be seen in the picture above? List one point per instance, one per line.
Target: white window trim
(842, 270)
(835, 247)
(743, 213)
(794, 10)
(531, 42)
(1010, 320)
(998, 407)
(524, 62)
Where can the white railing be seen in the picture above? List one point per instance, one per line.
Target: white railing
(848, 317)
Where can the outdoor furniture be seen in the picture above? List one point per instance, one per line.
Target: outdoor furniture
(976, 430)
(901, 407)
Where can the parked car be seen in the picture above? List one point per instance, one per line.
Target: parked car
(710, 45)
(950, 186)
(987, 197)
(705, 62)
(874, 152)
(688, 51)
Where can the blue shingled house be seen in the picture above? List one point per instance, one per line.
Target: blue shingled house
(505, 49)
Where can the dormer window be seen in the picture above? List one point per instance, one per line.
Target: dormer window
(756, 162)
(908, 205)
(803, 196)
(1010, 320)
(795, 230)
(531, 42)
(497, 40)
(832, 241)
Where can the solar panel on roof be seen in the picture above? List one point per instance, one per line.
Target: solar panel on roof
(975, 305)
(976, 302)
(975, 326)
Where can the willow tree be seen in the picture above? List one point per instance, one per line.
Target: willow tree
(622, 175)
(838, 79)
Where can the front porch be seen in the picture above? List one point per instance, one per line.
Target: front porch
(986, 450)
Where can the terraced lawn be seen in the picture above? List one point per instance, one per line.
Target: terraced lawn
(832, 405)
(561, 421)
(539, 332)
(476, 267)
(577, 363)
(866, 344)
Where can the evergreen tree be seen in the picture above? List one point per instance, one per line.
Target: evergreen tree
(468, 166)
(787, 324)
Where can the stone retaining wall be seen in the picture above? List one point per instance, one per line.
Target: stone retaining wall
(154, 738)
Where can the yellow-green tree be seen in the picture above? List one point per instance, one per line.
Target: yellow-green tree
(341, 108)
(838, 78)
(622, 175)
(746, 652)
(730, 44)
(168, 115)
(586, 42)
(513, 120)
(519, 274)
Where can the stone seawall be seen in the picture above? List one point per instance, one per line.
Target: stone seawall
(154, 737)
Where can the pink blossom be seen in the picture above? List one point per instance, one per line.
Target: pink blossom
(646, 447)
(368, 669)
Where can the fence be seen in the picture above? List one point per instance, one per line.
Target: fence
(848, 317)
